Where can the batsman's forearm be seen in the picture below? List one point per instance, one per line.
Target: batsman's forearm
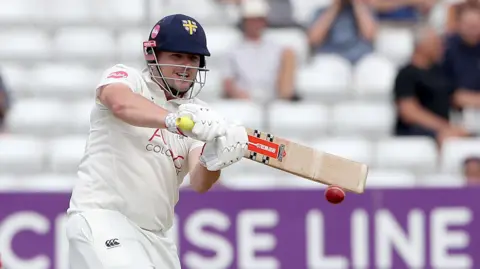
(202, 179)
(140, 112)
(132, 108)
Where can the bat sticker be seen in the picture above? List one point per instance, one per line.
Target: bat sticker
(266, 148)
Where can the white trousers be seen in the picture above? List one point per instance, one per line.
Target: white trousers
(104, 239)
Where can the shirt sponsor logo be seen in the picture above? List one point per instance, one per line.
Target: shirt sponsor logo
(118, 74)
(178, 160)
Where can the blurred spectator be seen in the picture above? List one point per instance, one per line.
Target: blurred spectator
(462, 58)
(346, 28)
(454, 11)
(402, 10)
(471, 170)
(4, 103)
(422, 92)
(279, 15)
(257, 68)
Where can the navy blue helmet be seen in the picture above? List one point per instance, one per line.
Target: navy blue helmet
(180, 34)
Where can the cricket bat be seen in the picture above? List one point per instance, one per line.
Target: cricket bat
(300, 160)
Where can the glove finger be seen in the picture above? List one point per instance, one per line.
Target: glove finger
(199, 132)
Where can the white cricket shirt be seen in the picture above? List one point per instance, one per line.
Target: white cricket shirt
(136, 171)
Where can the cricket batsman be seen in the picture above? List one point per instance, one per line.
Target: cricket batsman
(136, 158)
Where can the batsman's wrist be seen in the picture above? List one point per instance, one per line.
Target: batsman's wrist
(170, 123)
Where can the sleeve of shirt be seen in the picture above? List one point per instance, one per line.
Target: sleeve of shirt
(194, 144)
(404, 86)
(121, 74)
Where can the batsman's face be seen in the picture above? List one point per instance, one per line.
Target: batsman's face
(179, 69)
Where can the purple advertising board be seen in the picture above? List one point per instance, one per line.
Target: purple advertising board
(421, 228)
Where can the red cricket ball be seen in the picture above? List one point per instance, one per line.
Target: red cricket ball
(334, 194)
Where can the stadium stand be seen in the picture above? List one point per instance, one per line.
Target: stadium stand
(52, 53)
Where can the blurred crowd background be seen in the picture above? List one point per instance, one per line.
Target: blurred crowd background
(394, 84)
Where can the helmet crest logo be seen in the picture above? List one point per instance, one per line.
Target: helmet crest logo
(190, 26)
(155, 31)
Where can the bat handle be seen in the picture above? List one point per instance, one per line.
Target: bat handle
(184, 123)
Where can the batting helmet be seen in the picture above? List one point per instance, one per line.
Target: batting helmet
(182, 34)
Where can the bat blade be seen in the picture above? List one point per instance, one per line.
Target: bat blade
(306, 162)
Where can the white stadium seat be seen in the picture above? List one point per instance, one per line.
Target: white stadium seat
(79, 116)
(456, 150)
(441, 180)
(21, 154)
(85, 12)
(121, 12)
(327, 78)
(24, 44)
(62, 81)
(65, 153)
(303, 11)
(44, 183)
(396, 43)
(354, 148)
(249, 181)
(33, 116)
(13, 75)
(72, 11)
(220, 41)
(417, 154)
(213, 87)
(470, 117)
(207, 12)
(247, 113)
(21, 11)
(374, 77)
(294, 38)
(374, 119)
(156, 10)
(387, 178)
(303, 119)
(130, 44)
(84, 43)
(8, 181)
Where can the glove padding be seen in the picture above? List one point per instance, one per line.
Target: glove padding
(225, 150)
(208, 124)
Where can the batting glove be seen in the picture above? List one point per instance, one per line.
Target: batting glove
(225, 150)
(208, 124)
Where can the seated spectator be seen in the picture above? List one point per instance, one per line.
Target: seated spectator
(346, 28)
(256, 68)
(423, 94)
(454, 11)
(402, 10)
(4, 103)
(462, 58)
(471, 170)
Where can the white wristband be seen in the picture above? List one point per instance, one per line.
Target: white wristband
(170, 123)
